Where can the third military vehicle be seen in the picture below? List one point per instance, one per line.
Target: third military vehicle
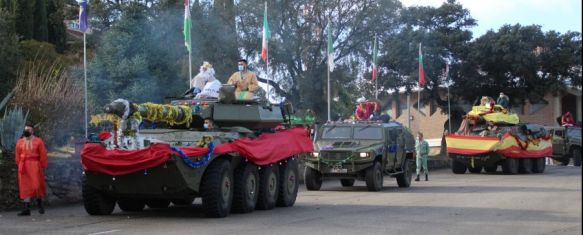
(364, 150)
(566, 144)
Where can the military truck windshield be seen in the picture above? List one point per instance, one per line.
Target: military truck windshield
(368, 133)
(335, 132)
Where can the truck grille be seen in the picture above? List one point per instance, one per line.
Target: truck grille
(336, 156)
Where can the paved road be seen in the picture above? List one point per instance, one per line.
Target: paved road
(547, 203)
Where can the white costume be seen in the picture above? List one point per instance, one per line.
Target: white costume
(210, 90)
(203, 76)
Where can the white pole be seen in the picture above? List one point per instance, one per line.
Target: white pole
(190, 66)
(329, 119)
(376, 88)
(448, 102)
(267, 76)
(419, 109)
(408, 110)
(85, 80)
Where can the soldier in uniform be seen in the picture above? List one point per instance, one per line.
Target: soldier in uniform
(422, 148)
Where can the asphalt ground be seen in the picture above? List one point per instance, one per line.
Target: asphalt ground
(548, 203)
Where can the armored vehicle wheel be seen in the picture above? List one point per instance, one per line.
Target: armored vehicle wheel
(565, 160)
(158, 203)
(538, 165)
(510, 166)
(525, 165)
(404, 179)
(268, 186)
(476, 169)
(217, 189)
(182, 202)
(312, 179)
(458, 167)
(491, 168)
(374, 177)
(576, 153)
(96, 202)
(347, 182)
(131, 204)
(288, 183)
(246, 188)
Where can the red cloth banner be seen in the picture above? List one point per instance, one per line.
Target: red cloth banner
(266, 149)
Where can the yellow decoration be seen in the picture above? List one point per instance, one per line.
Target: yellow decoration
(498, 114)
(166, 113)
(104, 117)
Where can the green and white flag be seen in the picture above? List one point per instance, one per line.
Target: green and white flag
(330, 49)
(187, 25)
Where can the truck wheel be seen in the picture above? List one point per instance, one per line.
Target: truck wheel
(268, 187)
(525, 165)
(404, 179)
(312, 179)
(491, 168)
(183, 202)
(347, 182)
(538, 165)
(288, 183)
(246, 188)
(96, 202)
(131, 204)
(217, 189)
(576, 156)
(476, 169)
(510, 166)
(374, 177)
(458, 167)
(158, 203)
(565, 160)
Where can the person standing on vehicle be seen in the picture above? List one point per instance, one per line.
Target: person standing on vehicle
(31, 159)
(422, 149)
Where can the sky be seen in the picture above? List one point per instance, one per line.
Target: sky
(557, 15)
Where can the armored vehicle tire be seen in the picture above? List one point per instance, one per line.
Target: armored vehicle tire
(268, 187)
(491, 168)
(510, 166)
(458, 167)
(217, 189)
(576, 153)
(246, 188)
(374, 177)
(182, 202)
(347, 182)
(131, 204)
(158, 203)
(96, 202)
(525, 165)
(404, 179)
(288, 183)
(476, 169)
(312, 179)
(538, 165)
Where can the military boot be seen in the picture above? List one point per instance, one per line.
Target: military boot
(41, 207)
(26, 210)
(417, 179)
(426, 177)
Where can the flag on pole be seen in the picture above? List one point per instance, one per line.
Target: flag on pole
(330, 49)
(266, 35)
(374, 60)
(421, 72)
(187, 25)
(82, 15)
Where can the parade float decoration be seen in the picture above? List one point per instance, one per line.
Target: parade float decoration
(492, 135)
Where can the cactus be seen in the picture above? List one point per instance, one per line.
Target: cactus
(11, 126)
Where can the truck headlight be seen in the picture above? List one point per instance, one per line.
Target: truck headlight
(315, 154)
(363, 155)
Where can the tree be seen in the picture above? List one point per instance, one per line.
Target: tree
(9, 53)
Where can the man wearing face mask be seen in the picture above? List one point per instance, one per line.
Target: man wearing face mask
(31, 159)
(244, 80)
(422, 148)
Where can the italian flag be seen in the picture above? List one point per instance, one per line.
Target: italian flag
(266, 35)
(374, 60)
(187, 25)
(330, 49)
(421, 72)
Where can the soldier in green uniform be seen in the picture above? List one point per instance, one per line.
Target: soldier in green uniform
(422, 148)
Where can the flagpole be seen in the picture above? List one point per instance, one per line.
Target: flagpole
(328, 89)
(376, 88)
(190, 66)
(85, 80)
(267, 76)
(448, 99)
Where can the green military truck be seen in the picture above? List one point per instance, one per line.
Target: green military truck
(365, 151)
(566, 144)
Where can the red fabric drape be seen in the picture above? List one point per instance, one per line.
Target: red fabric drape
(266, 149)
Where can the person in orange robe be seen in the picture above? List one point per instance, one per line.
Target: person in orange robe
(31, 159)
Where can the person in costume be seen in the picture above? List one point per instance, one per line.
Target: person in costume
(503, 100)
(31, 159)
(365, 109)
(567, 119)
(244, 80)
(206, 71)
(422, 150)
(211, 85)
